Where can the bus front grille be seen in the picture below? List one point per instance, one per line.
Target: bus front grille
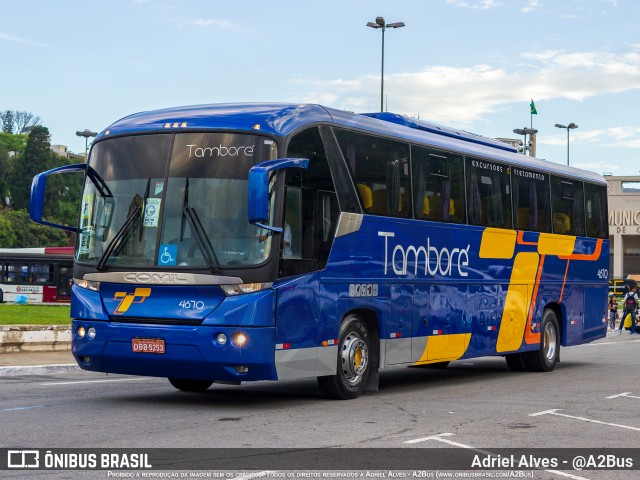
(157, 321)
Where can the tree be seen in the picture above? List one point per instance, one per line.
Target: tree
(36, 159)
(7, 121)
(24, 120)
(14, 121)
(17, 230)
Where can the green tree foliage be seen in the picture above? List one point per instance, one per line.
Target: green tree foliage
(21, 158)
(10, 146)
(17, 230)
(36, 159)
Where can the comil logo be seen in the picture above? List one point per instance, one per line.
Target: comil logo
(127, 299)
(23, 459)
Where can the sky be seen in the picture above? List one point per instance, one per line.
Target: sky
(469, 64)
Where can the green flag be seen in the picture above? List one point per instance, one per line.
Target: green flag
(533, 108)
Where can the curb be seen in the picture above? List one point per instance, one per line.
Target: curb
(36, 370)
(34, 338)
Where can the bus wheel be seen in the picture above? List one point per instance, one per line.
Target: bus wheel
(516, 362)
(354, 361)
(187, 385)
(545, 359)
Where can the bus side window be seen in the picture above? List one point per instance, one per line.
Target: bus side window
(489, 194)
(567, 206)
(531, 199)
(380, 171)
(596, 210)
(438, 186)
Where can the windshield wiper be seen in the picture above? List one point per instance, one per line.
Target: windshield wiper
(135, 209)
(204, 244)
(201, 237)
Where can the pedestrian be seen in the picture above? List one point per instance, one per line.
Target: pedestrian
(630, 306)
(613, 312)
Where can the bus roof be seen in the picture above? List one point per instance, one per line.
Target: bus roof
(282, 119)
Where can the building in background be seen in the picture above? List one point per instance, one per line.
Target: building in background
(64, 151)
(624, 225)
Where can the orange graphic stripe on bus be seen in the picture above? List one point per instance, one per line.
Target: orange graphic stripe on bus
(589, 257)
(529, 336)
(521, 239)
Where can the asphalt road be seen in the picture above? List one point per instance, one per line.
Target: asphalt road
(591, 400)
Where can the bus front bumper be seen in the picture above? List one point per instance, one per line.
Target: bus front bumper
(192, 352)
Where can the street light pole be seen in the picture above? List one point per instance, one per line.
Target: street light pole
(86, 133)
(380, 23)
(524, 131)
(568, 127)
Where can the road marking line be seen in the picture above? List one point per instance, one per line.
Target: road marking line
(439, 438)
(95, 381)
(14, 409)
(624, 394)
(555, 412)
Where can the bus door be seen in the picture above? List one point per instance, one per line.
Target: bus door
(64, 284)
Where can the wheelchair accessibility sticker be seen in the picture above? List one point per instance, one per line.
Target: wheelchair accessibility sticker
(167, 255)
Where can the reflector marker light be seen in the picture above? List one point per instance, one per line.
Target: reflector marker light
(283, 346)
(573, 322)
(332, 341)
(491, 328)
(437, 332)
(396, 335)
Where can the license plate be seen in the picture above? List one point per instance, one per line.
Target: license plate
(147, 345)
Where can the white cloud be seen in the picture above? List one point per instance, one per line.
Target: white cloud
(479, 4)
(213, 22)
(531, 6)
(465, 95)
(615, 137)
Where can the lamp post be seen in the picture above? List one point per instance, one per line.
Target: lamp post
(86, 133)
(524, 131)
(379, 23)
(568, 127)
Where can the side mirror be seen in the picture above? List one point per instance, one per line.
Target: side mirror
(38, 189)
(258, 207)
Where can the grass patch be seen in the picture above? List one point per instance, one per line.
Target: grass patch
(11, 314)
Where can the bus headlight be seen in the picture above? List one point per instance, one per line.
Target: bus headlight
(240, 339)
(81, 332)
(91, 333)
(241, 288)
(88, 284)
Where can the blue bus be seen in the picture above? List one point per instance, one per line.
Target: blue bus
(231, 243)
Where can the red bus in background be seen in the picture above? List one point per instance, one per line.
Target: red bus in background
(36, 275)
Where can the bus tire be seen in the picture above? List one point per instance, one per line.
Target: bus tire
(545, 358)
(516, 362)
(354, 361)
(188, 385)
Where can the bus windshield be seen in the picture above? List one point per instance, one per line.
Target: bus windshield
(174, 200)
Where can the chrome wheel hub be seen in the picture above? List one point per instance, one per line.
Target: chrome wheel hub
(550, 342)
(354, 357)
